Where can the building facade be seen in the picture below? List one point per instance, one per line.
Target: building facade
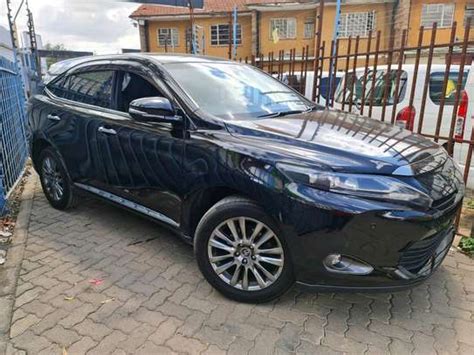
(265, 26)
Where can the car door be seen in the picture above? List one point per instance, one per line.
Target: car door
(73, 103)
(140, 162)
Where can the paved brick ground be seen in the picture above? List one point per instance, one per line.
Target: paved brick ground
(153, 299)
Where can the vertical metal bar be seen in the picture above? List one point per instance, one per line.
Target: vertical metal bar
(334, 73)
(457, 97)
(401, 57)
(449, 58)
(366, 69)
(303, 53)
(354, 74)
(374, 74)
(317, 46)
(306, 59)
(230, 34)
(270, 63)
(320, 73)
(388, 75)
(331, 65)
(427, 77)
(417, 63)
(346, 75)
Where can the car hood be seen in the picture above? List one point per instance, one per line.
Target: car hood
(339, 141)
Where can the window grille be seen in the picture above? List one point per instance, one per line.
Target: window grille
(356, 24)
(220, 34)
(168, 37)
(286, 27)
(442, 14)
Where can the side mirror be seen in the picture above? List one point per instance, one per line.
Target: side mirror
(153, 109)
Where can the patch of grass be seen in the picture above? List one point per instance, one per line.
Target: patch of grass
(470, 204)
(467, 245)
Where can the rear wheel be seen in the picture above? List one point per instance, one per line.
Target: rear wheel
(241, 252)
(55, 181)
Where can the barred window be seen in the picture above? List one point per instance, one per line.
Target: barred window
(469, 13)
(168, 37)
(442, 14)
(220, 35)
(286, 27)
(309, 28)
(356, 24)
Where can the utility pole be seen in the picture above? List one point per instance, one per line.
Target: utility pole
(33, 43)
(234, 32)
(12, 26)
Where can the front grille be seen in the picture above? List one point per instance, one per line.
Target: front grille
(422, 256)
(444, 202)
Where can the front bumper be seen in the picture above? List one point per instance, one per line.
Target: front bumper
(404, 247)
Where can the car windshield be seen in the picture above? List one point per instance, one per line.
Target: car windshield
(235, 92)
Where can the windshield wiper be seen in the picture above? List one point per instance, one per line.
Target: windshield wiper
(285, 113)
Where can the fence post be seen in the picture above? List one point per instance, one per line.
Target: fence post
(366, 69)
(354, 74)
(346, 75)
(459, 85)
(374, 74)
(445, 81)
(401, 57)
(317, 47)
(428, 69)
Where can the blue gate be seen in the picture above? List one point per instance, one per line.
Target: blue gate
(13, 143)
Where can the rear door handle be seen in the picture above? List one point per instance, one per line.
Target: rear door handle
(54, 117)
(107, 131)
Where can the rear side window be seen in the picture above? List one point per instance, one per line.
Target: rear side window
(93, 88)
(436, 87)
(379, 87)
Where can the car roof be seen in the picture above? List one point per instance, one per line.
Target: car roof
(160, 58)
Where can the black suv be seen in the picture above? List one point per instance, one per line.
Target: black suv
(268, 187)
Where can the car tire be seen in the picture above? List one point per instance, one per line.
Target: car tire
(264, 250)
(55, 180)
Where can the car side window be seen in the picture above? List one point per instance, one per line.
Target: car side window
(437, 85)
(131, 87)
(93, 88)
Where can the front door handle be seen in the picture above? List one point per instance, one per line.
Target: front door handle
(110, 131)
(54, 117)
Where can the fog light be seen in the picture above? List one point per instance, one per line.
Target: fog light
(346, 265)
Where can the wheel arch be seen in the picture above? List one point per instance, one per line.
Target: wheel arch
(199, 202)
(37, 147)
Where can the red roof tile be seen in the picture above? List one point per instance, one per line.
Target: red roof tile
(210, 6)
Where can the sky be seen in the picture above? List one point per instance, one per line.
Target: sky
(99, 26)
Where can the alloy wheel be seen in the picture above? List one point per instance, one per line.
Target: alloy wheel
(246, 254)
(52, 178)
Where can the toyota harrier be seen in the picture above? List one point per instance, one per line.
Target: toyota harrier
(268, 187)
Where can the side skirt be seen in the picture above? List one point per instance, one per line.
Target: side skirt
(129, 205)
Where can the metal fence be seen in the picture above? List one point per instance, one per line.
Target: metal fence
(398, 84)
(13, 145)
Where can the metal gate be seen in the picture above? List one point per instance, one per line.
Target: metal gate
(398, 84)
(13, 144)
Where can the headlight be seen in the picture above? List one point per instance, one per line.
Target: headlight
(377, 187)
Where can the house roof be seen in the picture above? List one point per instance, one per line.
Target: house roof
(210, 7)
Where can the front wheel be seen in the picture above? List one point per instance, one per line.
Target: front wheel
(242, 253)
(55, 181)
